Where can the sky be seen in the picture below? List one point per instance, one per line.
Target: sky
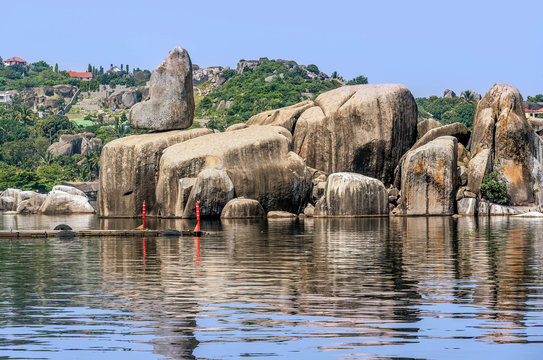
(428, 46)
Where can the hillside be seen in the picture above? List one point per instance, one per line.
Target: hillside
(256, 86)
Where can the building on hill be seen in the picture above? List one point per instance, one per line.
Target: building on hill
(114, 69)
(14, 61)
(6, 96)
(80, 75)
(532, 114)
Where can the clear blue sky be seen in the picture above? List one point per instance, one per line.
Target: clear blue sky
(426, 45)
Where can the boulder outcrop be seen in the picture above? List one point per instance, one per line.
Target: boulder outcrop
(503, 141)
(214, 189)
(429, 178)
(69, 145)
(285, 117)
(350, 194)
(256, 159)
(426, 125)
(458, 130)
(9, 199)
(171, 102)
(129, 171)
(241, 208)
(360, 128)
(32, 204)
(61, 202)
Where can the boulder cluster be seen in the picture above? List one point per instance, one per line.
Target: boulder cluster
(60, 200)
(353, 151)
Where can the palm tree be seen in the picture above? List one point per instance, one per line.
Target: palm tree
(47, 158)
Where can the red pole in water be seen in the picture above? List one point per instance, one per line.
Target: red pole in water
(197, 228)
(143, 225)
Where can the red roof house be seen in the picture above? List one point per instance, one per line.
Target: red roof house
(14, 61)
(80, 75)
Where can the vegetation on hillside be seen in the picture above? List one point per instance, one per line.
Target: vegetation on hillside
(448, 110)
(25, 162)
(251, 93)
(38, 74)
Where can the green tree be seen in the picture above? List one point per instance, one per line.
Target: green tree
(89, 68)
(313, 68)
(56, 67)
(494, 189)
(359, 80)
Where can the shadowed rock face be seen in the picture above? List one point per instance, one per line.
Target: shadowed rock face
(171, 102)
(429, 178)
(129, 171)
(350, 194)
(362, 128)
(256, 159)
(504, 141)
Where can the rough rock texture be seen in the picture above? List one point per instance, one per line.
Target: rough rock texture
(69, 145)
(89, 188)
(361, 128)
(309, 210)
(171, 102)
(285, 117)
(350, 194)
(32, 204)
(426, 125)
(467, 206)
(458, 130)
(129, 171)
(214, 189)
(242, 208)
(9, 199)
(256, 159)
(504, 141)
(487, 208)
(236, 127)
(429, 178)
(69, 189)
(60, 202)
(281, 215)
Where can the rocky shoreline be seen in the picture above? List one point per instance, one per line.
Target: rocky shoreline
(353, 151)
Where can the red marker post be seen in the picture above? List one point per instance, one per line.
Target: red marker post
(143, 225)
(197, 228)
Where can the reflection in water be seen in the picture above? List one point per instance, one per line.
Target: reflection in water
(434, 287)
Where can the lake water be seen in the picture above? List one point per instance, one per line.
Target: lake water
(372, 288)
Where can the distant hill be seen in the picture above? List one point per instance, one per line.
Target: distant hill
(233, 96)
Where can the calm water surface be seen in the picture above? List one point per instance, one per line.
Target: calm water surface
(375, 288)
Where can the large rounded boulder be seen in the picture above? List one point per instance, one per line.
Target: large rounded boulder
(129, 171)
(362, 128)
(171, 102)
(503, 141)
(241, 208)
(257, 160)
(350, 194)
(429, 178)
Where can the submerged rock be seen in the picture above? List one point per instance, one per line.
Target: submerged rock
(171, 102)
(350, 194)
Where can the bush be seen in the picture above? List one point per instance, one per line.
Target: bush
(494, 189)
